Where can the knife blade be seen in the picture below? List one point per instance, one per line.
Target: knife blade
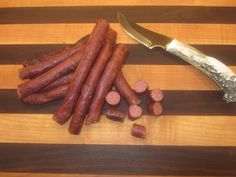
(224, 77)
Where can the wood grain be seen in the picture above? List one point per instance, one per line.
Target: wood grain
(138, 54)
(195, 136)
(118, 159)
(70, 33)
(176, 102)
(150, 14)
(47, 3)
(165, 130)
(12, 174)
(157, 76)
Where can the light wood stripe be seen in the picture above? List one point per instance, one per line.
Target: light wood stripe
(166, 77)
(10, 174)
(165, 130)
(43, 3)
(69, 33)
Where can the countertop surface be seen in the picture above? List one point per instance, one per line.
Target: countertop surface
(195, 136)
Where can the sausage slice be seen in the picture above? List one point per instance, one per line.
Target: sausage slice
(138, 131)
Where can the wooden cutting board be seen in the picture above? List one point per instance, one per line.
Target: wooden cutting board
(195, 136)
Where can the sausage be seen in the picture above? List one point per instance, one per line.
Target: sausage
(89, 86)
(140, 86)
(125, 90)
(135, 112)
(34, 61)
(106, 82)
(50, 61)
(116, 114)
(88, 57)
(47, 96)
(113, 98)
(48, 77)
(155, 108)
(138, 131)
(30, 62)
(44, 57)
(60, 81)
(156, 95)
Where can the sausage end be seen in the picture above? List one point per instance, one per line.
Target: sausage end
(155, 108)
(140, 86)
(135, 112)
(113, 98)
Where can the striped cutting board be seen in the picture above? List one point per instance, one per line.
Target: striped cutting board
(196, 135)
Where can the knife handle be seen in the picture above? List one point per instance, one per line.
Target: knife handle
(216, 70)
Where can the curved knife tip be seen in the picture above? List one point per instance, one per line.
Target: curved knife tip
(120, 15)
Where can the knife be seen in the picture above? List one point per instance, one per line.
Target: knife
(224, 77)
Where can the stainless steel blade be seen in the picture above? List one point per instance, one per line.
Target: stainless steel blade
(142, 35)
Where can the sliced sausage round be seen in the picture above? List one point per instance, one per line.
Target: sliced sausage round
(156, 94)
(140, 86)
(135, 112)
(155, 108)
(113, 98)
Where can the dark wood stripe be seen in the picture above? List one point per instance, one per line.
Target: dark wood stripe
(118, 159)
(175, 103)
(16, 54)
(159, 14)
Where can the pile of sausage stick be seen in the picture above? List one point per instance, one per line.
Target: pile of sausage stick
(84, 75)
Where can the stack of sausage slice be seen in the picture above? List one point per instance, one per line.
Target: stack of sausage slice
(83, 74)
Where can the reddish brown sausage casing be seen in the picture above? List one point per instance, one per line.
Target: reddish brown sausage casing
(125, 90)
(88, 57)
(155, 108)
(138, 131)
(89, 86)
(48, 77)
(47, 96)
(51, 60)
(115, 115)
(105, 83)
(64, 80)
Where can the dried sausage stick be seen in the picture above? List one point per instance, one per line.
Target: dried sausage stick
(89, 86)
(105, 83)
(48, 77)
(47, 96)
(34, 61)
(31, 62)
(125, 90)
(64, 80)
(88, 57)
(51, 60)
